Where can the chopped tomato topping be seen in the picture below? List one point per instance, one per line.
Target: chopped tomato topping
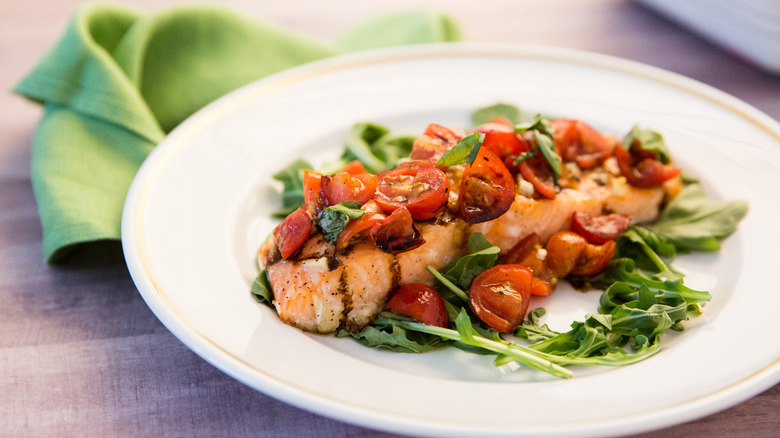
(366, 222)
(433, 143)
(292, 232)
(502, 140)
(487, 189)
(599, 229)
(580, 143)
(396, 233)
(641, 168)
(419, 186)
(343, 187)
(313, 199)
(354, 167)
(536, 171)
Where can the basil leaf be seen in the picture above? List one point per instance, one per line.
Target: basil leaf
(691, 221)
(538, 123)
(392, 148)
(483, 256)
(546, 144)
(490, 113)
(649, 141)
(291, 178)
(465, 152)
(526, 155)
(478, 242)
(544, 132)
(359, 141)
(261, 289)
(375, 147)
(335, 218)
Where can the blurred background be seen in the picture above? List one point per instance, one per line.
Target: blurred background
(81, 354)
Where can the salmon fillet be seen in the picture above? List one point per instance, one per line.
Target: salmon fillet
(594, 193)
(319, 291)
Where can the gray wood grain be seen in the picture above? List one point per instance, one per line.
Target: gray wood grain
(82, 355)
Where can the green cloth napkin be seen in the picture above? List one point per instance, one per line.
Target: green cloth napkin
(119, 80)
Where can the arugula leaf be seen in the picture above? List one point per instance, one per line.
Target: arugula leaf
(291, 178)
(261, 289)
(465, 152)
(649, 141)
(532, 330)
(451, 290)
(623, 271)
(375, 147)
(691, 221)
(543, 132)
(385, 333)
(649, 251)
(335, 218)
(483, 256)
(466, 334)
(490, 113)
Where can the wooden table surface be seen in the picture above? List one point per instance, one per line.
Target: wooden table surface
(80, 352)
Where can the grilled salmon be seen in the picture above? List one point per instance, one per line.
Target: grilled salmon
(320, 290)
(323, 287)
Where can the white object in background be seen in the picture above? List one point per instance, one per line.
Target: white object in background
(750, 28)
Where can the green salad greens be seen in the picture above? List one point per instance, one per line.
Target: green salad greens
(643, 295)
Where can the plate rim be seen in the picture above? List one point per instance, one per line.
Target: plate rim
(207, 349)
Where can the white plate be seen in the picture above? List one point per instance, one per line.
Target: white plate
(200, 205)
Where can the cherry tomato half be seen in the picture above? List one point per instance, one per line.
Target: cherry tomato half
(536, 171)
(420, 187)
(421, 302)
(599, 229)
(641, 170)
(580, 143)
(343, 187)
(396, 233)
(433, 143)
(529, 245)
(366, 222)
(313, 199)
(354, 167)
(594, 259)
(487, 189)
(502, 140)
(569, 253)
(500, 296)
(563, 252)
(541, 287)
(292, 232)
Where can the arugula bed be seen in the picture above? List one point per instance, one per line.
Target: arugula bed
(643, 295)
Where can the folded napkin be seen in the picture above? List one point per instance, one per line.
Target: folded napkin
(118, 81)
